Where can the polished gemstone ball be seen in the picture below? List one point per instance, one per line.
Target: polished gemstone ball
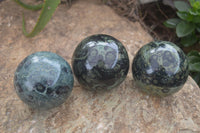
(160, 68)
(100, 62)
(43, 80)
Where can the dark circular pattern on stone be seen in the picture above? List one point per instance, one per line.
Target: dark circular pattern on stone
(100, 62)
(43, 80)
(160, 68)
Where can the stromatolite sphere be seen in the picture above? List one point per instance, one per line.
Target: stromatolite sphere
(43, 80)
(100, 62)
(160, 68)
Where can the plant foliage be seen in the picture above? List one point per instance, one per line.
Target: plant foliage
(188, 24)
(48, 8)
(194, 65)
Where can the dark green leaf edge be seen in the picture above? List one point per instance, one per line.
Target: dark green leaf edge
(181, 5)
(193, 53)
(172, 23)
(47, 11)
(29, 7)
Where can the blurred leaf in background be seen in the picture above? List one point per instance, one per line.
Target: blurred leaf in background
(188, 24)
(48, 8)
(194, 65)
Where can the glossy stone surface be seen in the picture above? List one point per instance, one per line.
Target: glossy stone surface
(43, 80)
(160, 68)
(100, 62)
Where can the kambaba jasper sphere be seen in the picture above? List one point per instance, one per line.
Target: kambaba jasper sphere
(100, 62)
(43, 80)
(160, 68)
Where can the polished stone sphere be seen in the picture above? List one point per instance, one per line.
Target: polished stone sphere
(43, 80)
(100, 62)
(160, 68)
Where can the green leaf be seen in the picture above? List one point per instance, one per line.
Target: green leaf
(193, 59)
(182, 6)
(198, 29)
(171, 23)
(193, 53)
(184, 28)
(30, 7)
(185, 16)
(194, 62)
(196, 19)
(193, 12)
(196, 77)
(46, 14)
(195, 4)
(189, 40)
(194, 67)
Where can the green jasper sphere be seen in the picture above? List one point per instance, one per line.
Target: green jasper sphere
(43, 80)
(100, 62)
(160, 68)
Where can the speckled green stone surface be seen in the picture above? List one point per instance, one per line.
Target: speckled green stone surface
(43, 80)
(160, 68)
(100, 62)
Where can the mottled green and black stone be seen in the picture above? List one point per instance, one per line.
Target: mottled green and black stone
(43, 80)
(160, 68)
(100, 62)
